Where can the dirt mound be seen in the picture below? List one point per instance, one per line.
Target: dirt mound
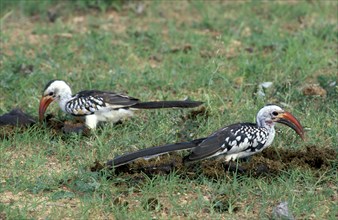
(17, 121)
(16, 117)
(268, 163)
(14, 121)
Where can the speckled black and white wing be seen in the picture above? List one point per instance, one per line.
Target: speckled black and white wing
(234, 141)
(92, 101)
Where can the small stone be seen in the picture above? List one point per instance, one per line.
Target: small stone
(261, 89)
(332, 84)
(281, 211)
(140, 8)
(266, 84)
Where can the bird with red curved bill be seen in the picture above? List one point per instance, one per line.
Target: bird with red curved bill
(229, 143)
(97, 106)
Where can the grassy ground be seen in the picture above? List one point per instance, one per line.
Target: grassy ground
(218, 52)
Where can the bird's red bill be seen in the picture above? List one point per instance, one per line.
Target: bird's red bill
(44, 103)
(288, 119)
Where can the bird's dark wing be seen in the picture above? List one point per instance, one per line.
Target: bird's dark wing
(110, 98)
(88, 102)
(224, 141)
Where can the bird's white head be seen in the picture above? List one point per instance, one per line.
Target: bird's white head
(270, 114)
(55, 90)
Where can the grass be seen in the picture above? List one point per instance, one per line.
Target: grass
(218, 52)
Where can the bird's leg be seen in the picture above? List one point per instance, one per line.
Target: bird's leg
(245, 159)
(233, 166)
(91, 121)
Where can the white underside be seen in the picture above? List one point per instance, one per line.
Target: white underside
(112, 116)
(233, 157)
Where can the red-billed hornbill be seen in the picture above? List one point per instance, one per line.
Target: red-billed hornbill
(99, 106)
(231, 142)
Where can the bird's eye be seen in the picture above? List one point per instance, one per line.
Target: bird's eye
(274, 113)
(51, 93)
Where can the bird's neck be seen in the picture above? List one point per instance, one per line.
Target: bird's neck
(270, 126)
(64, 98)
(267, 124)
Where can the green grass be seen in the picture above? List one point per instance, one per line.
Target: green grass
(215, 52)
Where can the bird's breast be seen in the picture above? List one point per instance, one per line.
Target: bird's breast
(113, 115)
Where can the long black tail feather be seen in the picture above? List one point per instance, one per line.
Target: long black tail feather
(152, 152)
(167, 104)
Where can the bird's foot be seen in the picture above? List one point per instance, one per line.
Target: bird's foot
(234, 167)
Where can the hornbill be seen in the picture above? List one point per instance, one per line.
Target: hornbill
(98, 105)
(229, 143)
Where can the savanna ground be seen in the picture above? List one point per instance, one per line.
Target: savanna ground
(215, 51)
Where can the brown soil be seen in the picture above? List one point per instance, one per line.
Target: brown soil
(17, 121)
(66, 127)
(16, 117)
(14, 121)
(270, 162)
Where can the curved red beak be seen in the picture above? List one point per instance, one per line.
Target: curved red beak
(44, 103)
(288, 119)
